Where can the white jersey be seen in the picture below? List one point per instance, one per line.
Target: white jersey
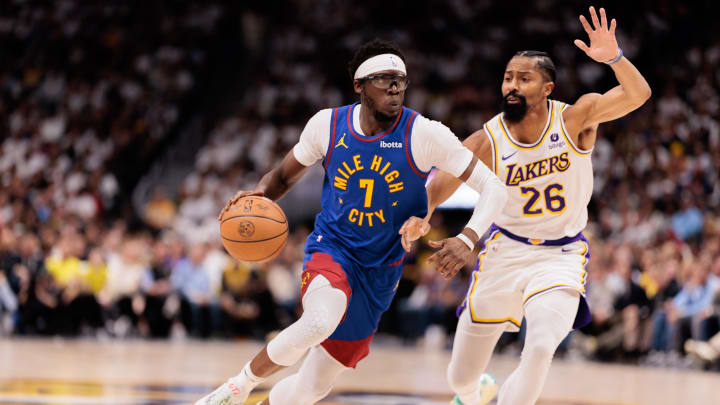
(549, 182)
(432, 143)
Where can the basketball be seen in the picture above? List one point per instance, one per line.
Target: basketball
(255, 229)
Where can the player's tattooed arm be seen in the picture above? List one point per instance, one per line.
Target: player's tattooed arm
(275, 183)
(631, 93)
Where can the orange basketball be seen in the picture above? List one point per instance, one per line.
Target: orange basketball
(255, 229)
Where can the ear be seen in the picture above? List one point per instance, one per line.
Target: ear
(548, 88)
(357, 85)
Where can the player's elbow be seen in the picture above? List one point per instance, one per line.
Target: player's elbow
(646, 93)
(642, 95)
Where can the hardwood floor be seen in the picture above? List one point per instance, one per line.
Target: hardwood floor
(75, 372)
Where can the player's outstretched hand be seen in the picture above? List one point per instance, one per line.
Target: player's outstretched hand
(603, 45)
(240, 194)
(451, 257)
(413, 229)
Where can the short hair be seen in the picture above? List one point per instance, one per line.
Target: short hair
(544, 63)
(373, 48)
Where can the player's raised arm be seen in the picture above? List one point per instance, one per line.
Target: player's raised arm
(632, 92)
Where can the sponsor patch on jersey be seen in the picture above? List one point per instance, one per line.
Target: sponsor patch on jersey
(556, 142)
(384, 144)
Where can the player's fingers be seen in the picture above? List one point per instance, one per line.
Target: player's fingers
(613, 24)
(585, 24)
(449, 260)
(594, 17)
(436, 243)
(222, 211)
(441, 267)
(437, 257)
(425, 228)
(447, 274)
(603, 19)
(448, 269)
(580, 44)
(457, 269)
(405, 243)
(241, 194)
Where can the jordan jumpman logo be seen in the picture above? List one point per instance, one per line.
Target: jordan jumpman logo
(342, 142)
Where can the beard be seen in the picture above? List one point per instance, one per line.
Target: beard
(379, 116)
(514, 112)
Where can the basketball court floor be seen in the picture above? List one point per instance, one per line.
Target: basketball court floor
(79, 372)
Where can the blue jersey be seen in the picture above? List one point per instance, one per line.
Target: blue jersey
(371, 187)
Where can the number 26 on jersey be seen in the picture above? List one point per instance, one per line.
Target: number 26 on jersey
(553, 201)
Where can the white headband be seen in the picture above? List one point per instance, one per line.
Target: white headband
(387, 61)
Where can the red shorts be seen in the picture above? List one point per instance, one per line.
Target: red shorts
(347, 352)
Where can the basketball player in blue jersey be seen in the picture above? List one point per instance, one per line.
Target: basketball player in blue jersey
(376, 155)
(533, 263)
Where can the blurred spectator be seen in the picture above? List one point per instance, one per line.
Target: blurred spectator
(121, 294)
(692, 306)
(160, 210)
(8, 306)
(247, 305)
(191, 279)
(159, 311)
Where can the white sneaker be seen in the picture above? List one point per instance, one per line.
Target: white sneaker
(226, 394)
(488, 391)
(701, 349)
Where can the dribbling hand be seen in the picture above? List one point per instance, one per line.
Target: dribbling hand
(240, 194)
(451, 257)
(603, 45)
(413, 229)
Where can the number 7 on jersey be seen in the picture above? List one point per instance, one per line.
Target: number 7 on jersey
(368, 185)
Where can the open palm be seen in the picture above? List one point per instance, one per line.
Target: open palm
(603, 45)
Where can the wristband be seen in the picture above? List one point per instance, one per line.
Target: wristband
(467, 241)
(616, 59)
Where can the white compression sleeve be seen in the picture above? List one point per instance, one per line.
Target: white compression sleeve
(311, 383)
(493, 197)
(549, 319)
(324, 307)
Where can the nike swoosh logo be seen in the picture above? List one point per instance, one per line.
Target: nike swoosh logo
(509, 156)
(566, 250)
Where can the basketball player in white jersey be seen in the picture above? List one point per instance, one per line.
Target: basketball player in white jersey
(533, 263)
(377, 155)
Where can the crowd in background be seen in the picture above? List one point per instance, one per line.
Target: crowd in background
(80, 92)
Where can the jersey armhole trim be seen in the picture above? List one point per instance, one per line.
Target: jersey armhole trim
(578, 151)
(408, 146)
(494, 148)
(333, 130)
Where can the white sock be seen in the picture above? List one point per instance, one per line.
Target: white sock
(246, 380)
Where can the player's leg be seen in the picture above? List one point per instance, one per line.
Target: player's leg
(324, 306)
(549, 318)
(472, 348)
(311, 383)
(372, 293)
